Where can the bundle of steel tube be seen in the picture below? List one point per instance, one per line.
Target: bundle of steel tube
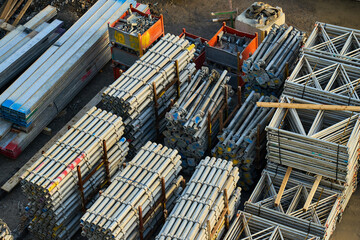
(313, 212)
(51, 183)
(208, 202)
(132, 95)
(316, 141)
(5, 233)
(266, 68)
(240, 141)
(70, 62)
(326, 81)
(335, 43)
(248, 226)
(26, 43)
(187, 121)
(139, 187)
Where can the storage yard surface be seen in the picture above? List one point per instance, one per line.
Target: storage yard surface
(195, 17)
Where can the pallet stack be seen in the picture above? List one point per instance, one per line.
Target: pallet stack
(22, 46)
(241, 141)
(188, 120)
(207, 204)
(92, 149)
(266, 70)
(159, 76)
(135, 198)
(48, 85)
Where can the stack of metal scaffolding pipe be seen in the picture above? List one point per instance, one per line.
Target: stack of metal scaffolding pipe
(5, 233)
(132, 95)
(200, 208)
(321, 215)
(187, 121)
(334, 42)
(316, 141)
(266, 67)
(239, 140)
(25, 44)
(141, 184)
(51, 183)
(249, 226)
(324, 80)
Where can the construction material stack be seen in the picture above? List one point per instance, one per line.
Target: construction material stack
(46, 87)
(243, 141)
(259, 18)
(143, 93)
(266, 70)
(22, 46)
(188, 120)
(325, 81)
(199, 42)
(207, 204)
(88, 154)
(249, 226)
(140, 189)
(132, 35)
(228, 49)
(5, 233)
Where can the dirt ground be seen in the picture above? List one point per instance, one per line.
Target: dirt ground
(194, 15)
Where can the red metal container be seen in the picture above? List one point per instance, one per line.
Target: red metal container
(200, 59)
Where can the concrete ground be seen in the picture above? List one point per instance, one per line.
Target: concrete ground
(194, 15)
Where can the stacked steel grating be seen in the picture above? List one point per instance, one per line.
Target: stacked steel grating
(241, 140)
(265, 70)
(51, 183)
(303, 208)
(26, 43)
(248, 226)
(132, 95)
(137, 190)
(5, 233)
(207, 203)
(187, 121)
(67, 65)
(325, 80)
(333, 42)
(316, 141)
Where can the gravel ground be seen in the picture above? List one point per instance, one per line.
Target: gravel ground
(195, 17)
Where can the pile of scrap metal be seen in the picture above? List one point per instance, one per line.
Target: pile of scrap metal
(5, 233)
(242, 141)
(49, 84)
(23, 45)
(263, 13)
(145, 90)
(266, 70)
(188, 120)
(207, 204)
(138, 197)
(90, 153)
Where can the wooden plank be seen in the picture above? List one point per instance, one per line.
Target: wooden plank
(312, 193)
(282, 187)
(22, 12)
(308, 106)
(6, 9)
(7, 16)
(16, 178)
(14, 10)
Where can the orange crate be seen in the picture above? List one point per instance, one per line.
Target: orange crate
(140, 42)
